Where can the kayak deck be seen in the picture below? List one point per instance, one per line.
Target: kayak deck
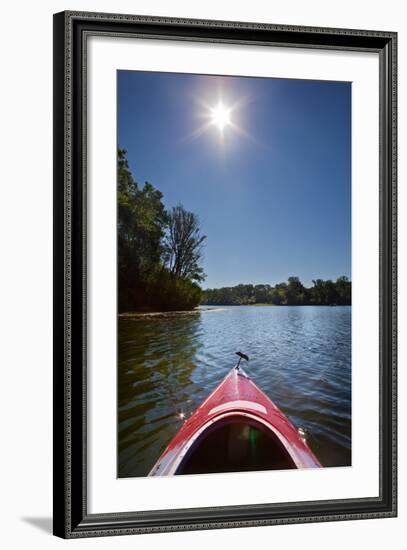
(237, 428)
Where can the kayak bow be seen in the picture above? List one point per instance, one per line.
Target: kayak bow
(237, 428)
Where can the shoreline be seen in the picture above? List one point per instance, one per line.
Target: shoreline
(278, 305)
(208, 307)
(169, 313)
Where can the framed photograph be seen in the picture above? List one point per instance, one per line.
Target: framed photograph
(224, 274)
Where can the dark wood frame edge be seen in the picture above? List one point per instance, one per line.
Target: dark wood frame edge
(71, 519)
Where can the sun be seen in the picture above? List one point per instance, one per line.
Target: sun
(220, 116)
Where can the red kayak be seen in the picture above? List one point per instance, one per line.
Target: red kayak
(237, 428)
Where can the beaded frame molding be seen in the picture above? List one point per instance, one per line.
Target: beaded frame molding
(71, 31)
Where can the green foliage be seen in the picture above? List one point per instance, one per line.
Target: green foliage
(141, 223)
(291, 293)
(296, 293)
(146, 279)
(174, 293)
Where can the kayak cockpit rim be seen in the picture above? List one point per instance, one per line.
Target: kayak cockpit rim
(176, 463)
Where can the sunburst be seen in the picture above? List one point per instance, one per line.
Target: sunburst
(221, 116)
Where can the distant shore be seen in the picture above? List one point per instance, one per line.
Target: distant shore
(290, 293)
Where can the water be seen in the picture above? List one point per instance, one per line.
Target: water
(168, 363)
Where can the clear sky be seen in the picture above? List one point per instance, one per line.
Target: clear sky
(272, 190)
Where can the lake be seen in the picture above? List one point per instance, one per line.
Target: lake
(300, 356)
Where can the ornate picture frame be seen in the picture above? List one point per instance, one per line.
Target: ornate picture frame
(71, 33)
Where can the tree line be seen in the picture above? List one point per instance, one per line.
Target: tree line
(293, 292)
(159, 250)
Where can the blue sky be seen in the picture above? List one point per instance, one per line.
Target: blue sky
(274, 194)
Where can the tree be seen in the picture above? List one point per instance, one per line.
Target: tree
(262, 294)
(343, 288)
(184, 244)
(141, 222)
(295, 291)
(317, 292)
(331, 295)
(277, 296)
(158, 252)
